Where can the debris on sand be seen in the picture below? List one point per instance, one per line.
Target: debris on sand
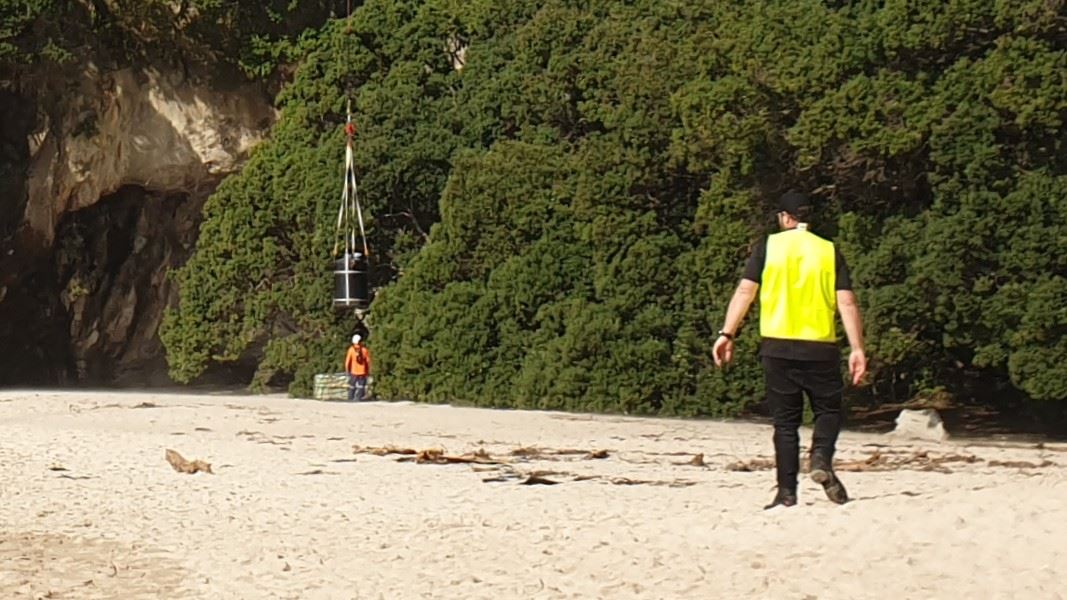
(182, 465)
(507, 473)
(383, 450)
(696, 461)
(888, 460)
(1021, 464)
(437, 456)
(537, 480)
(535, 453)
(747, 466)
(262, 438)
(433, 456)
(510, 474)
(480, 456)
(920, 460)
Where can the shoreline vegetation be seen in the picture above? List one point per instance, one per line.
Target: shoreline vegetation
(560, 196)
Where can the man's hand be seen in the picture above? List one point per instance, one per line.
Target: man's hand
(857, 366)
(723, 350)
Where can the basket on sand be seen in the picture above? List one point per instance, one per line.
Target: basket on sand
(331, 386)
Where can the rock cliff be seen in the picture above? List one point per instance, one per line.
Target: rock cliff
(101, 199)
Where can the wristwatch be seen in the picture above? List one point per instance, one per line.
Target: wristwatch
(728, 336)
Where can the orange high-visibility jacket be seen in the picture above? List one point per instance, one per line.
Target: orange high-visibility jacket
(357, 361)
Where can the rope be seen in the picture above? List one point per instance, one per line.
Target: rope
(350, 213)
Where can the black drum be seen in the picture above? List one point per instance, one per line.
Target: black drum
(350, 285)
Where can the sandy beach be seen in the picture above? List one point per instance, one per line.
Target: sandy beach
(305, 502)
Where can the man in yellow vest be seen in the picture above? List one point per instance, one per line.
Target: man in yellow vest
(802, 281)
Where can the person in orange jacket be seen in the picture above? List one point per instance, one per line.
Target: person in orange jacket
(357, 365)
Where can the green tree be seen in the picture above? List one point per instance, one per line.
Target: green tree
(560, 217)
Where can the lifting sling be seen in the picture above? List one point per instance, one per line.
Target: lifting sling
(351, 287)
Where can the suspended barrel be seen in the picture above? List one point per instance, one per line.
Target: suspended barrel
(350, 286)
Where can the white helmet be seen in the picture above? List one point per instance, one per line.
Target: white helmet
(356, 338)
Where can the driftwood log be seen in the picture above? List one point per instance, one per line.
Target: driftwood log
(182, 465)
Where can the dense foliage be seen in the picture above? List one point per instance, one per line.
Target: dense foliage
(562, 220)
(251, 36)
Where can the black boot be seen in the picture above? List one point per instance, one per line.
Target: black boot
(784, 497)
(823, 474)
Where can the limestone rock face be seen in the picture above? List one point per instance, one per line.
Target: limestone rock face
(112, 262)
(105, 200)
(144, 128)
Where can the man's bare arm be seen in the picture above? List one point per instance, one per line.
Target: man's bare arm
(850, 316)
(742, 300)
(723, 349)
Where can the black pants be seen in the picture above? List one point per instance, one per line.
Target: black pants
(787, 382)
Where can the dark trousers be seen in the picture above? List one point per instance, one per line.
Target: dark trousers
(787, 383)
(357, 387)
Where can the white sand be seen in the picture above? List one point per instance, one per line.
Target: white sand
(118, 522)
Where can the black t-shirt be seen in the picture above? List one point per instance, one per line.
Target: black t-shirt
(797, 349)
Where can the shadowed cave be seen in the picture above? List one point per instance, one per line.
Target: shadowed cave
(86, 312)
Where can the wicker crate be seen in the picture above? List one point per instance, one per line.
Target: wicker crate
(331, 386)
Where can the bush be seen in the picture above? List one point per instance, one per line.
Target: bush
(561, 222)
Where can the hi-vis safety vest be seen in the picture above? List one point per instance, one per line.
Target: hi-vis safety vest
(357, 361)
(797, 292)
